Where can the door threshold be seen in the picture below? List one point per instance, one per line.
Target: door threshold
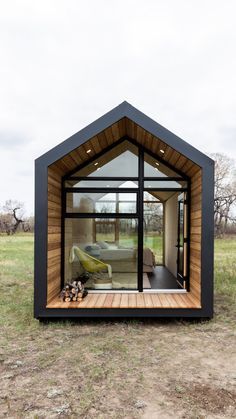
(146, 291)
(171, 291)
(113, 291)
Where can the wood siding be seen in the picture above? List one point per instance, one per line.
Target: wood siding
(195, 234)
(97, 144)
(54, 234)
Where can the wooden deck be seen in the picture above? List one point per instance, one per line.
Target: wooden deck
(130, 300)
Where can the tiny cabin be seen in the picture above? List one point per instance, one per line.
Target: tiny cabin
(125, 208)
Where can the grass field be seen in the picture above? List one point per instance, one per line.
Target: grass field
(128, 369)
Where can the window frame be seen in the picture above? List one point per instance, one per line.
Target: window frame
(139, 202)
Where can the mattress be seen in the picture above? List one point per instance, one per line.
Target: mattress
(117, 254)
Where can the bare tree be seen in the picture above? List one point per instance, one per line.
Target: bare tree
(12, 216)
(225, 192)
(153, 217)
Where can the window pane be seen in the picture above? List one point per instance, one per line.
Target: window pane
(89, 202)
(150, 197)
(120, 161)
(153, 230)
(127, 207)
(127, 197)
(154, 168)
(100, 184)
(93, 244)
(161, 184)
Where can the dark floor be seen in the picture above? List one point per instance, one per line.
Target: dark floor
(161, 278)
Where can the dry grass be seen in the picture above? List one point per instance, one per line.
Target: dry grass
(127, 369)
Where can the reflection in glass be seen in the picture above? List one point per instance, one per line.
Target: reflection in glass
(164, 184)
(72, 183)
(120, 161)
(113, 242)
(100, 202)
(154, 168)
(153, 226)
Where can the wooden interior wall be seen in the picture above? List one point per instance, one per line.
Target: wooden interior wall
(96, 144)
(54, 233)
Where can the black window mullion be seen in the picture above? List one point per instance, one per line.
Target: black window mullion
(165, 179)
(100, 215)
(165, 189)
(99, 178)
(101, 190)
(140, 224)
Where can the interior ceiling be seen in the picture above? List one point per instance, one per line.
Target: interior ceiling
(121, 129)
(163, 196)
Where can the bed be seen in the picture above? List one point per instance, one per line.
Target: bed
(121, 259)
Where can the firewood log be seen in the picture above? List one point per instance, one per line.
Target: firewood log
(74, 290)
(62, 294)
(85, 293)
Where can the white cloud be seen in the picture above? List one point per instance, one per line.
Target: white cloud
(63, 64)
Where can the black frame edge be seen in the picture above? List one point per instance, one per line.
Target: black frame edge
(207, 240)
(40, 243)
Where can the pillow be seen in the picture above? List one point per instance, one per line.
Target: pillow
(103, 245)
(91, 247)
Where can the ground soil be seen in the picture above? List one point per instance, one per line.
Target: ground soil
(128, 369)
(168, 369)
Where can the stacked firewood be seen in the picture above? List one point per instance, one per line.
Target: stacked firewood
(73, 292)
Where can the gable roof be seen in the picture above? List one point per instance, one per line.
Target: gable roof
(125, 110)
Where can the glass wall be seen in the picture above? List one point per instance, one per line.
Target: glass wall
(76, 183)
(159, 184)
(120, 161)
(103, 251)
(104, 242)
(155, 168)
(95, 202)
(153, 227)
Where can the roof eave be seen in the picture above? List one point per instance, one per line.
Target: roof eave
(113, 116)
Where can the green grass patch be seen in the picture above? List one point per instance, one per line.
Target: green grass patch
(16, 276)
(225, 276)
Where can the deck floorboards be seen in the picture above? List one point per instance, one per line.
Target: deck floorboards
(131, 300)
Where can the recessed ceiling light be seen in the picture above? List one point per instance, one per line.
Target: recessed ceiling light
(95, 164)
(98, 168)
(157, 163)
(162, 151)
(108, 186)
(89, 151)
(156, 169)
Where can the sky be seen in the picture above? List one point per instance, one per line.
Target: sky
(64, 63)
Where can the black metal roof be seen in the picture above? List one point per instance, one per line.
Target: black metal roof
(111, 117)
